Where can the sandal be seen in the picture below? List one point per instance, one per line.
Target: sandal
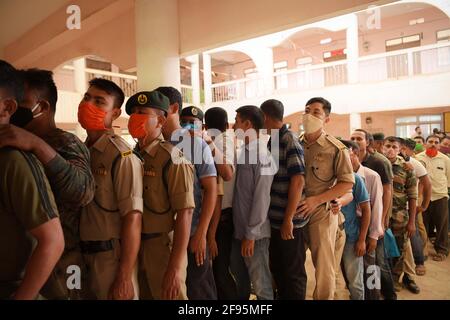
(439, 257)
(421, 270)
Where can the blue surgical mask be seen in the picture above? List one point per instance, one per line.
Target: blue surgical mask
(190, 126)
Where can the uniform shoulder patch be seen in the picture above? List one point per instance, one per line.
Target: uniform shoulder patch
(122, 146)
(335, 142)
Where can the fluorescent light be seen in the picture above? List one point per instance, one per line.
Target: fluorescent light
(325, 41)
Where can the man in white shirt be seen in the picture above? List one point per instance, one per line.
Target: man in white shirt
(438, 167)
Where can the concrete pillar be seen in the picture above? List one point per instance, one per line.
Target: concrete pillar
(352, 49)
(355, 121)
(79, 74)
(207, 80)
(158, 61)
(263, 59)
(195, 78)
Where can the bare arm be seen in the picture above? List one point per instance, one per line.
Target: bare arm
(295, 191)
(122, 288)
(360, 247)
(198, 242)
(44, 258)
(172, 277)
(211, 236)
(387, 199)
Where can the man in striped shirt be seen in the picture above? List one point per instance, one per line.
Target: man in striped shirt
(287, 246)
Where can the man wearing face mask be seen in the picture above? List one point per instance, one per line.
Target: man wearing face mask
(66, 162)
(168, 201)
(110, 226)
(329, 175)
(438, 167)
(31, 237)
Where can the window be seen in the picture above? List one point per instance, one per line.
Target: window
(403, 42)
(443, 35)
(405, 126)
(281, 81)
(335, 55)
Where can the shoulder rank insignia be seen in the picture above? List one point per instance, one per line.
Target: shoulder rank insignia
(126, 153)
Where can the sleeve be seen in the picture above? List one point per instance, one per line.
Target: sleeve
(411, 185)
(419, 168)
(128, 184)
(360, 191)
(206, 168)
(260, 202)
(447, 171)
(31, 198)
(70, 174)
(382, 170)
(343, 167)
(180, 183)
(295, 160)
(376, 199)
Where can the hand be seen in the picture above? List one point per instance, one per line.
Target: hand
(197, 245)
(286, 230)
(121, 289)
(12, 136)
(207, 137)
(360, 248)
(307, 206)
(247, 247)
(371, 245)
(411, 229)
(171, 284)
(212, 245)
(336, 206)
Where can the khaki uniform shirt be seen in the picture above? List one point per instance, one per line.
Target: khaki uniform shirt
(118, 177)
(327, 162)
(168, 187)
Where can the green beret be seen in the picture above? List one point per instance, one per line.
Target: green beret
(150, 99)
(378, 136)
(192, 112)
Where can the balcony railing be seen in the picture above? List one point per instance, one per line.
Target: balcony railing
(128, 83)
(400, 64)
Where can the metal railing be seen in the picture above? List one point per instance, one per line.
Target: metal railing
(394, 65)
(128, 83)
(187, 93)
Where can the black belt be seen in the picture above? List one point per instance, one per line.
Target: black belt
(147, 236)
(91, 247)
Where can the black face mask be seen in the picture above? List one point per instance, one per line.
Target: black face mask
(21, 117)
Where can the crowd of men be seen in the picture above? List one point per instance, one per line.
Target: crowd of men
(196, 210)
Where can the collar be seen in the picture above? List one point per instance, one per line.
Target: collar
(103, 141)
(151, 149)
(361, 171)
(321, 140)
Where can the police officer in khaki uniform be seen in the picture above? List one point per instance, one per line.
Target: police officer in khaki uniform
(168, 201)
(110, 226)
(329, 175)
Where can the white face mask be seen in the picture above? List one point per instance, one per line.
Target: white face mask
(311, 124)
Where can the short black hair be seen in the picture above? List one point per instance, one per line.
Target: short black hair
(367, 135)
(11, 81)
(433, 136)
(173, 94)
(393, 139)
(409, 143)
(351, 145)
(325, 104)
(216, 118)
(273, 108)
(110, 88)
(42, 81)
(419, 137)
(253, 114)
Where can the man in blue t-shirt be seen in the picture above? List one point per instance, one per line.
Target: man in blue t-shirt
(356, 231)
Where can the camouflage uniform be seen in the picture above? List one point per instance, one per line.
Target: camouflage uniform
(405, 188)
(73, 185)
